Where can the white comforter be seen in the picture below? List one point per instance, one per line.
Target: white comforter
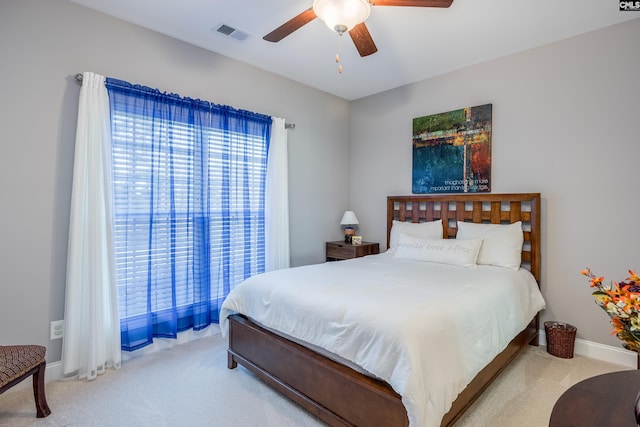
(425, 328)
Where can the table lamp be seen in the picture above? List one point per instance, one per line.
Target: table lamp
(348, 220)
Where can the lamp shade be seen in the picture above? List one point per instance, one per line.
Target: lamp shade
(349, 218)
(342, 15)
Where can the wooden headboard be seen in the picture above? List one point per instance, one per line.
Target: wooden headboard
(479, 208)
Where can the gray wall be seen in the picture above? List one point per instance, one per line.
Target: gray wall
(565, 124)
(43, 43)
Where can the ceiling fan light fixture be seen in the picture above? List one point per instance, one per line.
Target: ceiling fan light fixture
(342, 15)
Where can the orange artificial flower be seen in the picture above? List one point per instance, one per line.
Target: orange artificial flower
(621, 301)
(617, 325)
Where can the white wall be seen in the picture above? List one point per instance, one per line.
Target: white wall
(43, 43)
(565, 124)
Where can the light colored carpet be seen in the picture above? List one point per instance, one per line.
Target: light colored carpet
(190, 385)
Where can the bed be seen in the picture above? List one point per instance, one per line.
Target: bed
(346, 391)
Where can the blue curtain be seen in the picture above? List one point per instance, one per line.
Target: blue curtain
(189, 185)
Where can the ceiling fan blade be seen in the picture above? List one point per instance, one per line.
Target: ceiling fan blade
(290, 26)
(414, 3)
(362, 39)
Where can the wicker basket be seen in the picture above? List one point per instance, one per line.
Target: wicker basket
(560, 339)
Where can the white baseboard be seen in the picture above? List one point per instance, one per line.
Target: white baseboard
(594, 350)
(607, 353)
(53, 371)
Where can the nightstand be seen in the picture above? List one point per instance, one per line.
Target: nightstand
(340, 250)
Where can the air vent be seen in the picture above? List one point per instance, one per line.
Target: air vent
(229, 31)
(225, 29)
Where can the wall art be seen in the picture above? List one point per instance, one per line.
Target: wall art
(452, 151)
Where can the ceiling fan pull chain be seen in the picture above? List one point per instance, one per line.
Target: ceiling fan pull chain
(338, 54)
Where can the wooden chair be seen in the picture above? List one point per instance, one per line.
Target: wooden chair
(17, 362)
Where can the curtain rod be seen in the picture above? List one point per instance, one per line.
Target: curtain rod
(78, 77)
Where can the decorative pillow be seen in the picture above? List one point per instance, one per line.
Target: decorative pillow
(501, 244)
(445, 251)
(425, 230)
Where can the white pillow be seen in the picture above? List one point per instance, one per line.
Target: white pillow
(445, 251)
(501, 244)
(425, 230)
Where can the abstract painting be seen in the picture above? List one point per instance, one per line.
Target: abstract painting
(452, 151)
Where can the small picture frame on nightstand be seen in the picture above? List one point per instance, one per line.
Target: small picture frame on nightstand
(356, 240)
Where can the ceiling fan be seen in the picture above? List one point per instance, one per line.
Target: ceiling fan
(347, 16)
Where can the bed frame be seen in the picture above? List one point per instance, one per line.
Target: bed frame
(341, 396)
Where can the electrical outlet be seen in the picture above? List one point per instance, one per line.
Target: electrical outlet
(57, 329)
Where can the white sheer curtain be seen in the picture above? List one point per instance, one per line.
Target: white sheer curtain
(92, 326)
(277, 200)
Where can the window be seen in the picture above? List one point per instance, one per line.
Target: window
(188, 184)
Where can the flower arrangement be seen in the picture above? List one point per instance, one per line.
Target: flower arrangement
(621, 301)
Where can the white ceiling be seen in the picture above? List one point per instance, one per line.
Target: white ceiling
(413, 43)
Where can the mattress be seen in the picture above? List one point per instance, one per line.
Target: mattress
(425, 328)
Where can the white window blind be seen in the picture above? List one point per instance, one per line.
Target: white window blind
(184, 213)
